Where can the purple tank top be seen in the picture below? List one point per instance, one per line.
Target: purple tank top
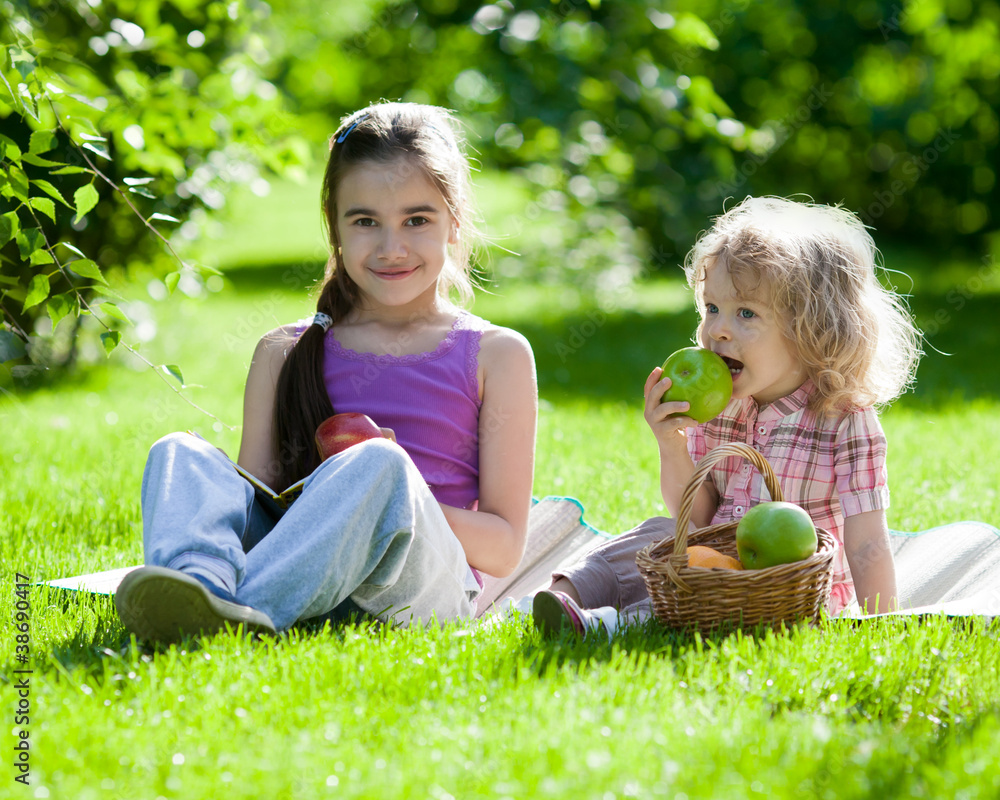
(430, 400)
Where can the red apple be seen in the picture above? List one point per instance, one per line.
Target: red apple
(335, 434)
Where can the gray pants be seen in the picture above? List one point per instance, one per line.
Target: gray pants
(608, 575)
(366, 527)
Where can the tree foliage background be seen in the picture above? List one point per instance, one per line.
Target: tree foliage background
(632, 121)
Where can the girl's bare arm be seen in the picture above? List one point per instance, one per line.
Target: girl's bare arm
(494, 535)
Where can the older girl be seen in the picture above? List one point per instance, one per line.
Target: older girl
(401, 531)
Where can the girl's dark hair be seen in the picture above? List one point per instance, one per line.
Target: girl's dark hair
(415, 137)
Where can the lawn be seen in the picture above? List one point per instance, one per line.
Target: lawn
(883, 708)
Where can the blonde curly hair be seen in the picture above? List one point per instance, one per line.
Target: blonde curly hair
(818, 265)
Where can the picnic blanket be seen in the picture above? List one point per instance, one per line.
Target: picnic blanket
(556, 534)
(953, 569)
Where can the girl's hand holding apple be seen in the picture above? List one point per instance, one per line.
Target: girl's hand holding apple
(665, 419)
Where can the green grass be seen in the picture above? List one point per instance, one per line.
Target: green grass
(887, 708)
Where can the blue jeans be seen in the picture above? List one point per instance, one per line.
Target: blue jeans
(365, 528)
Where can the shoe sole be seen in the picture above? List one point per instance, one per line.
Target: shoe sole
(159, 604)
(549, 616)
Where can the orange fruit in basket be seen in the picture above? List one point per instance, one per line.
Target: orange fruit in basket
(701, 556)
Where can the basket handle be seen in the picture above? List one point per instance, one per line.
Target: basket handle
(709, 460)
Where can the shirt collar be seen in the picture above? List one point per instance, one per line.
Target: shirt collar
(789, 404)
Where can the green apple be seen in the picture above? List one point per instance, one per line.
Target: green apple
(775, 533)
(700, 377)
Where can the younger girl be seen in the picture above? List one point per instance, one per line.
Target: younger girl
(788, 296)
(402, 530)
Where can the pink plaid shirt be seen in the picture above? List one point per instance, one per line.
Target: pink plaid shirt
(832, 467)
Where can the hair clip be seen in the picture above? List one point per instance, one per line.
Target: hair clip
(323, 320)
(358, 121)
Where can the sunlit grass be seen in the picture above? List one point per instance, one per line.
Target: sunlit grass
(889, 708)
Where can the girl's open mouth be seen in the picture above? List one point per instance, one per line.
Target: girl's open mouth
(735, 367)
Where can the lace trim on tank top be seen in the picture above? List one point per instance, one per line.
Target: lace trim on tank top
(463, 322)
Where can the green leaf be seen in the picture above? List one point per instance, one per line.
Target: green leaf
(9, 226)
(89, 101)
(173, 371)
(11, 346)
(41, 142)
(85, 198)
(87, 269)
(163, 217)
(10, 92)
(110, 340)
(40, 257)
(61, 305)
(69, 171)
(30, 106)
(22, 61)
(51, 191)
(38, 161)
(98, 150)
(72, 248)
(137, 181)
(10, 149)
(18, 183)
(115, 313)
(692, 30)
(207, 269)
(44, 205)
(171, 279)
(38, 290)
(29, 240)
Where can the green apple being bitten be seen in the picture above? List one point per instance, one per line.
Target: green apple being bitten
(700, 377)
(775, 533)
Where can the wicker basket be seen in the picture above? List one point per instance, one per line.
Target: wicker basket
(703, 598)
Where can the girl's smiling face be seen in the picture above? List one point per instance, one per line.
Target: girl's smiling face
(394, 228)
(745, 332)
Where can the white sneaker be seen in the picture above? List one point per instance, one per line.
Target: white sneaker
(553, 612)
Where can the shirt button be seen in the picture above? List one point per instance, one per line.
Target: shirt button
(739, 511)
(761, 430)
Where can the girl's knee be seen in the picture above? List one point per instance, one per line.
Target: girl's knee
(379, 459)
(169, 443)
(174, 445)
